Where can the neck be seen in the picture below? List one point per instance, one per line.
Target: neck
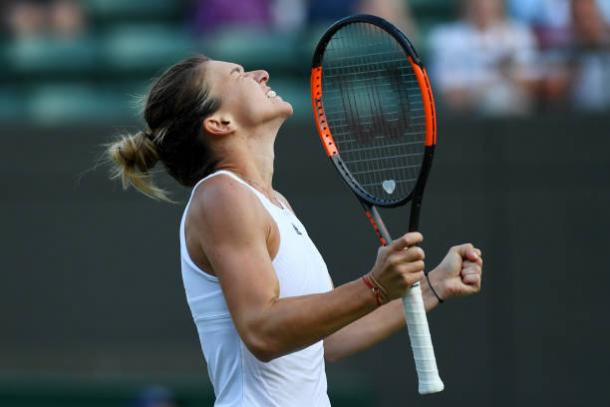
(250, 156)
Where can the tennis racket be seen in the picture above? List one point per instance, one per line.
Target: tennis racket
(375, 115)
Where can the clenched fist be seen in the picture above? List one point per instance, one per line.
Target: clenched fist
(460, 272)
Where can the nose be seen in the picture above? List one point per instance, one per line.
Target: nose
(261, 76)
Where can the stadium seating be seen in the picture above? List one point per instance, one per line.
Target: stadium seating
(94, 78)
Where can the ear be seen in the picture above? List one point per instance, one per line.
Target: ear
(218, 125)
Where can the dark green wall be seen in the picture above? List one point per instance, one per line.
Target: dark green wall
(90, 283)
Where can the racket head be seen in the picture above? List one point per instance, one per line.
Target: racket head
(374, 109)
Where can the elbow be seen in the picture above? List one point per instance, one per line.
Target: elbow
(330, 354)
(262, 349)
(330, 358)
(262, 355)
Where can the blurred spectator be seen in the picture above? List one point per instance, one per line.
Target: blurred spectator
(484, 63)
(213, 15)
(398, 12)
(590, 76)
(289, 15)
(53, 18)
(549, 12)
(26, 19)
(66, 18)
(550, 19)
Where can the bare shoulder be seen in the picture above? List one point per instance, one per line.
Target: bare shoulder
(221, 206)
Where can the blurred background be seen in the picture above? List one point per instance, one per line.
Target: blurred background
(92, 309)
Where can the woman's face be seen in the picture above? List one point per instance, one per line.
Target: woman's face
(245, 96)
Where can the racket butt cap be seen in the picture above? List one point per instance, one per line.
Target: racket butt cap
(435, 386)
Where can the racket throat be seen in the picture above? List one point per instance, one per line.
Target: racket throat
(372, 214)
(415, 210)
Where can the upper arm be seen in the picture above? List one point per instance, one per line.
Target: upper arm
(233, 230)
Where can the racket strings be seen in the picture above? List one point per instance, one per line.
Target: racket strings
(374, 109)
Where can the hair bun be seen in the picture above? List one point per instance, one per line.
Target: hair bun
(134, 155)
(137, 152)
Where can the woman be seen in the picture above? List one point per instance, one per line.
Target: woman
(500, 73)
(259, 292)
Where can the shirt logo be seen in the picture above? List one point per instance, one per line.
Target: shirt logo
(297, 230)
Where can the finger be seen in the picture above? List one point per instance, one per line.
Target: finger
(471, 271)
(467, 251)
(479, 261)
(472, 279)
(413, 253)
(471, 267)
(410, 239)
(406, 256)
(473, 255)
(463, 249)
(412, 277)
(403, 258)
(413, 267)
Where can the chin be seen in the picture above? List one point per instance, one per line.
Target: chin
(287, 109)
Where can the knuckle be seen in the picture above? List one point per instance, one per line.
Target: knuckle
(393, 261)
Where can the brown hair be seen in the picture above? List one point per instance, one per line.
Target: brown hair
(175, 107)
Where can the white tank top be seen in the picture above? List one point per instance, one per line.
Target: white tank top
(239, 379)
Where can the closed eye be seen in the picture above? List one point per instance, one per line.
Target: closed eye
(238, 69)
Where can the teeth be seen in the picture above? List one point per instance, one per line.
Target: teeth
(271, 94)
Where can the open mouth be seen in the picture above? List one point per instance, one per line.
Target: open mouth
(271, 94)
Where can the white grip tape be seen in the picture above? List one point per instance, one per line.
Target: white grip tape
(421, 342)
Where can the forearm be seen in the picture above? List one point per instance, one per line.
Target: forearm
(365, 332)
(373, 328)
(293, 323)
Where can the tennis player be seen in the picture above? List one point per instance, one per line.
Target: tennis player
(259, 291)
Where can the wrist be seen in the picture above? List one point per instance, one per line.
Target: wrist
(435, 287)
(376, 289)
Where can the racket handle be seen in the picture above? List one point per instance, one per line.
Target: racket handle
(421, 342)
